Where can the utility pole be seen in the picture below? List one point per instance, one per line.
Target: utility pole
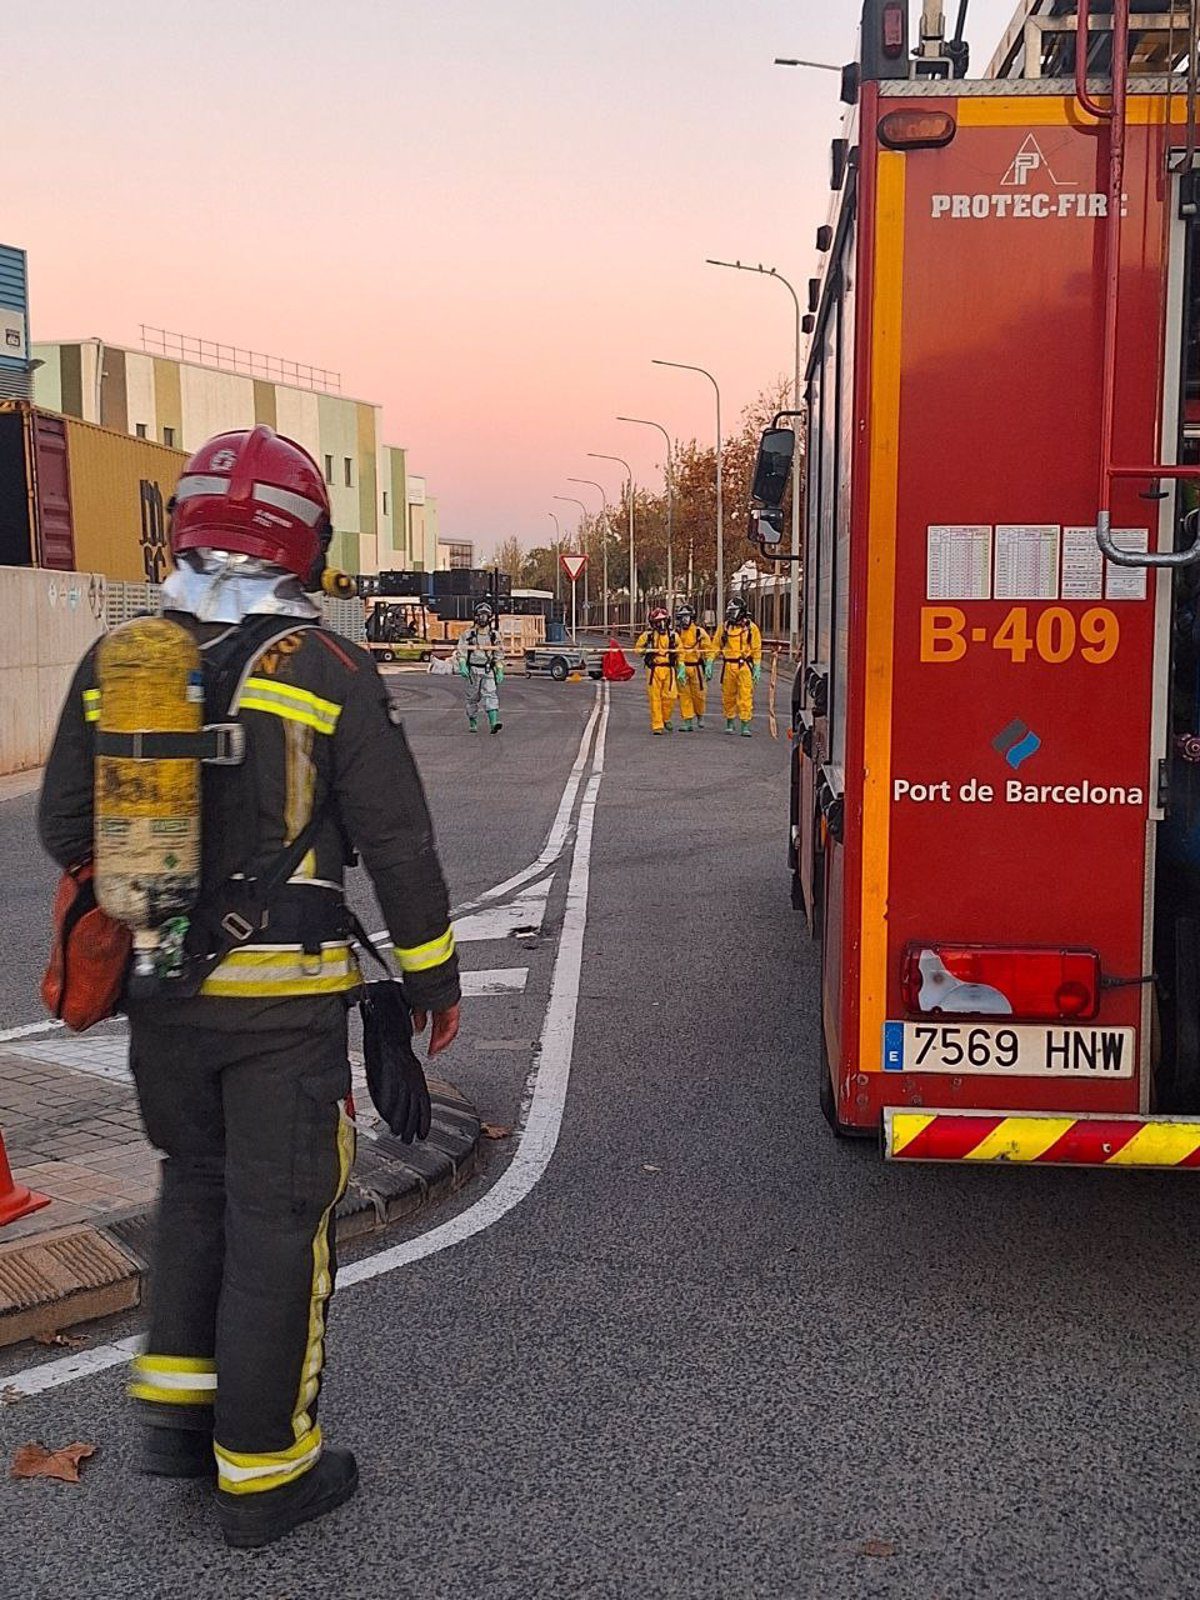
(685, 366)
(592, 484)
(668, 480)
(557, 554)
(595, 455)
(794, 587)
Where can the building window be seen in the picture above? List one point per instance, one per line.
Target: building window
(328, 469)
(385, 509)
(168, 436)
(349, 473)
(141, 430)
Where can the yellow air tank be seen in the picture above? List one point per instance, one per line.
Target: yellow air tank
(147, 829)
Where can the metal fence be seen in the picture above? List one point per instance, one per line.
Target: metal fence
(235, 358)
(767, 597)
(125, 600)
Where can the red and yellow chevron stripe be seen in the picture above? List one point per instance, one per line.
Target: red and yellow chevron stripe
(1041, 1137)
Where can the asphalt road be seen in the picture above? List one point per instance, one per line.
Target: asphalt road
(711, 1352)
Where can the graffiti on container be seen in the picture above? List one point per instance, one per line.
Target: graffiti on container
(97, 595)
(154, 532)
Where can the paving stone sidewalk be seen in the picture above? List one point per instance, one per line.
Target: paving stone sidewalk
(71, 1129)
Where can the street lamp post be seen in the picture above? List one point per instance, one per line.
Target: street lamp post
(794, 607)
(685, 366)
(669, 478)
(557, 554)
(595, 455)
(592, 484)
(571, 500)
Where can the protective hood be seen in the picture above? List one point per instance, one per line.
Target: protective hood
(218, 586)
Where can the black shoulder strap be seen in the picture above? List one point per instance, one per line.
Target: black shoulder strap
(229, 656)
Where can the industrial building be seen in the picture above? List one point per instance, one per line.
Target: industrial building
(178, 391)
(456, 555)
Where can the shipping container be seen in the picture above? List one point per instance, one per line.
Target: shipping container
(75, 497)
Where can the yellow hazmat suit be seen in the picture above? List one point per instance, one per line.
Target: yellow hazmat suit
(658, 646)
(695, 653)
(739, 646)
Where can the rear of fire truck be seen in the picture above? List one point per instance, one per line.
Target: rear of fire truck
(996, 821)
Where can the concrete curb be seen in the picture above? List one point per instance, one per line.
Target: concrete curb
(56, 1280)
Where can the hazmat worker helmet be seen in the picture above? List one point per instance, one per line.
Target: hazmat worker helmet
(736, 611)
(684, 616)
(660, 617)
(484, 615)
(256, 494)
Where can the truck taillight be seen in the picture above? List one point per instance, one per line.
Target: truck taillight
(916, 130)
(894, 19)
(975, 980)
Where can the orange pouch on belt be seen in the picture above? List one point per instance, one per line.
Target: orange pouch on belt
(88, 958)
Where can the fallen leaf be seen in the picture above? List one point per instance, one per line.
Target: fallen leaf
(8, 1395)
(647, 1167)
(35, 1461)
(495, 1130)
(66, 1341)
(878, 1547)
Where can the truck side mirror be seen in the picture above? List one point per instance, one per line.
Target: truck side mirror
(773, 467)
(766, 528)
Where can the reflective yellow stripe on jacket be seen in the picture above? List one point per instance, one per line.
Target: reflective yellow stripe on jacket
(91, 705)
(424, 957)
(276, 971)
(294, 705)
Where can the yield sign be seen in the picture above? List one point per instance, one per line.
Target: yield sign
(573, 565)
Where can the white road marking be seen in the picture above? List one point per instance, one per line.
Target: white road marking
(557, 836)
(496, 980)
(108, 1057)
(528, 910)
(546, 1090)
(80, 1364)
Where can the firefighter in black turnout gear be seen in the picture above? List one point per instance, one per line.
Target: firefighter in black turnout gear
(241, 1083)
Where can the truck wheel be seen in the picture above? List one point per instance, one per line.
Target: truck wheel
(1185, 1085)
(794, 813)
(425, 655)
(559, 669)
(387, 655)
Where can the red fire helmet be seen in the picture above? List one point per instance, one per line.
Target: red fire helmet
(257, 494)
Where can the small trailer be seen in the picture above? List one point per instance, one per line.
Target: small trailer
(559, 661)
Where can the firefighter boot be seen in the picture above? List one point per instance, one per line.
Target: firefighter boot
(472, 724)
(177, 1453)
(686, 725)
(728, 724)
(251, 1520)
(746, 730)
(494, 722)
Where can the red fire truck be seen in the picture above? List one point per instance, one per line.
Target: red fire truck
(996, 787)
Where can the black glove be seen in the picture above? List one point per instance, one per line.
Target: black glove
(394, 1074)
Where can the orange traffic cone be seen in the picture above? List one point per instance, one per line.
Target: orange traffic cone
(15, 1200)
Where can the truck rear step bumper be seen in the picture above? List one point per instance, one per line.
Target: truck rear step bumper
(1041, 1137)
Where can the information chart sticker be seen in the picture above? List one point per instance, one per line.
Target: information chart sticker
(959, 562)
(1027, 561)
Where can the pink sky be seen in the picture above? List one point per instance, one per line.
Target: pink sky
(487, 218)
